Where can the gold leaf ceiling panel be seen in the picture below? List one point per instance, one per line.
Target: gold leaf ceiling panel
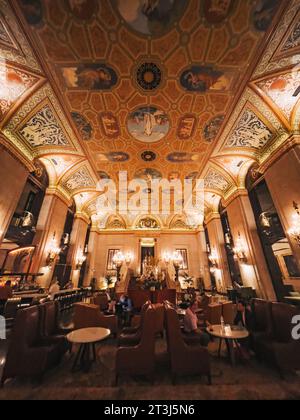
(162, 90)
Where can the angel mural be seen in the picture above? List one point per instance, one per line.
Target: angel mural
(203, 79)
(82, 9)
(90, 77)
(148, 124)
(151, 17)
(216, 11)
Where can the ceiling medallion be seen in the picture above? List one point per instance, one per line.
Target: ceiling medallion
(149, 76)
(148, 156)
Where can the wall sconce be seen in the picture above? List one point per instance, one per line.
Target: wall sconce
(128, 258)
(167, 258)
(239, 250)
(54, 251)
(118, 261)
(213, 258)
(294, 232)
(81, 258)
(177, 261)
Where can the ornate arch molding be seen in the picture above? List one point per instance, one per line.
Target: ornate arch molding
(16, 154)
(178, 222)
(147, 218)
(116, 222)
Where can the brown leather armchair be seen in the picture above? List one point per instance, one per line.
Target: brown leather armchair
(185, 360)
(102, 301)
(132, 336)
(28, 355)
(90, 316)
(228, 312)
(139, 298)
(214, 313)
(50, 331)
(280, 348)
(262, 322)
(139, 360)
(169, 295)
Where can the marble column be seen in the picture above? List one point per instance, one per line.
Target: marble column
(204, 263)
(217, 243)
(254, 269)
(283, 180)
(50, 225)
(77, 243)
(13, 177)
(92, 257)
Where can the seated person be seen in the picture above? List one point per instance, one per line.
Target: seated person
(244, 316)
(54, 288)
(244, 319)
(6, 292)
(191, 325)
(127, 307)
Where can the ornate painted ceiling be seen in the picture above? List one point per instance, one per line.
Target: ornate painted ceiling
(164, 88)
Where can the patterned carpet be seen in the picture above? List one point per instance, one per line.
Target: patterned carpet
(244, 382)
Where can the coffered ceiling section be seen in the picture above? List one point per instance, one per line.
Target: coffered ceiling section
(150, 84)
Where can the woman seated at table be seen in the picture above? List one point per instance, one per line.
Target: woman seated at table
(191, 326)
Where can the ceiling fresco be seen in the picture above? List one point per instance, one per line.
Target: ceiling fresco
(164, 89)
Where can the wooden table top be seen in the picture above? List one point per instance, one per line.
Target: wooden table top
(228, 334)
(88, 335)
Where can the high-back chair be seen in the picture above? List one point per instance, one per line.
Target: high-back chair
(185, 360)
(140, 359)
(214, 313)
(285, 349)
(102, 301)
(50, 331)
(27, 356)
(90, 316)
(132, 336)
(228, 312)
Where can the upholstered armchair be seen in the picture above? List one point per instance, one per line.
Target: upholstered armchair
(90, 316)
(228, 312)
(102, 301)
(50, 331)
(280, 348)
(184, 359)
(139, 360)
(214, 313)
(262, 323)
(27, 355)
(132, 336)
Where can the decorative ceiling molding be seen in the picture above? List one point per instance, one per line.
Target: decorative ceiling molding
(280, 92)
(39, 120)
(270, 63)
(17, 85)
(215, 181)
(265, 127)
(291, 42)
(250, 132)
(58, 165)
(20, 52)
(235, 166)
(80, 180)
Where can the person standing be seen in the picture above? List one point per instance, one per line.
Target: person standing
(6, 293)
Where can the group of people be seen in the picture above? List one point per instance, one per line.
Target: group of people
(198, 328)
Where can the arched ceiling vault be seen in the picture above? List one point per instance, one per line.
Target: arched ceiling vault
(202, 90)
